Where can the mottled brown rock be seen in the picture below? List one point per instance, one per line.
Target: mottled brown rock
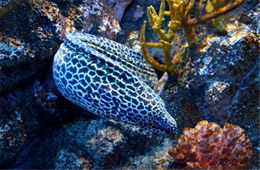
(101, 15)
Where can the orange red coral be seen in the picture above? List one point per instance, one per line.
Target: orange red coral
(210, 146)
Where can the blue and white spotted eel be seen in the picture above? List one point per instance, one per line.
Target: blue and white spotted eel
(110, 80)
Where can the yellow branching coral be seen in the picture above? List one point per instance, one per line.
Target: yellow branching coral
(213, 5)
(179, 13)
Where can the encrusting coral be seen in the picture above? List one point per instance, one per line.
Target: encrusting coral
(210, 146)
(179, 13)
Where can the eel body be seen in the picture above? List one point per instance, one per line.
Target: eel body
(110, 80)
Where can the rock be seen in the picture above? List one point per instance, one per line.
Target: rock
(156, 158)
(108, 14)
(138, 13)
(133, 41)
(230, 61)
(224, 70)
(83, 143)
(98, 16)
(20, 41)
(8, 5)
(104, 144)
(12, 135)
(69, 160)
(218, 99)
(26, 115)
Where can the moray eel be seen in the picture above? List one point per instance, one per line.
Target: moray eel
(111, 81)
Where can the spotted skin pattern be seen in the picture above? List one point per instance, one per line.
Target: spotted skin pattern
(110, 80)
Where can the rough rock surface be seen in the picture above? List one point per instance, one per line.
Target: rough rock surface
(69, 160)
(98, 16)
(97, 140)
(40, 129)
(12, 135)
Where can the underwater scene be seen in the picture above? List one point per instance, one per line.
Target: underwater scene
(129, 84)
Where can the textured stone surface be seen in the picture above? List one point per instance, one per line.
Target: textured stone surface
(156, 158)
(12, 134)
(102, 143)
(99, 16)
(69, 160)
(20, 41)
(8, 5)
